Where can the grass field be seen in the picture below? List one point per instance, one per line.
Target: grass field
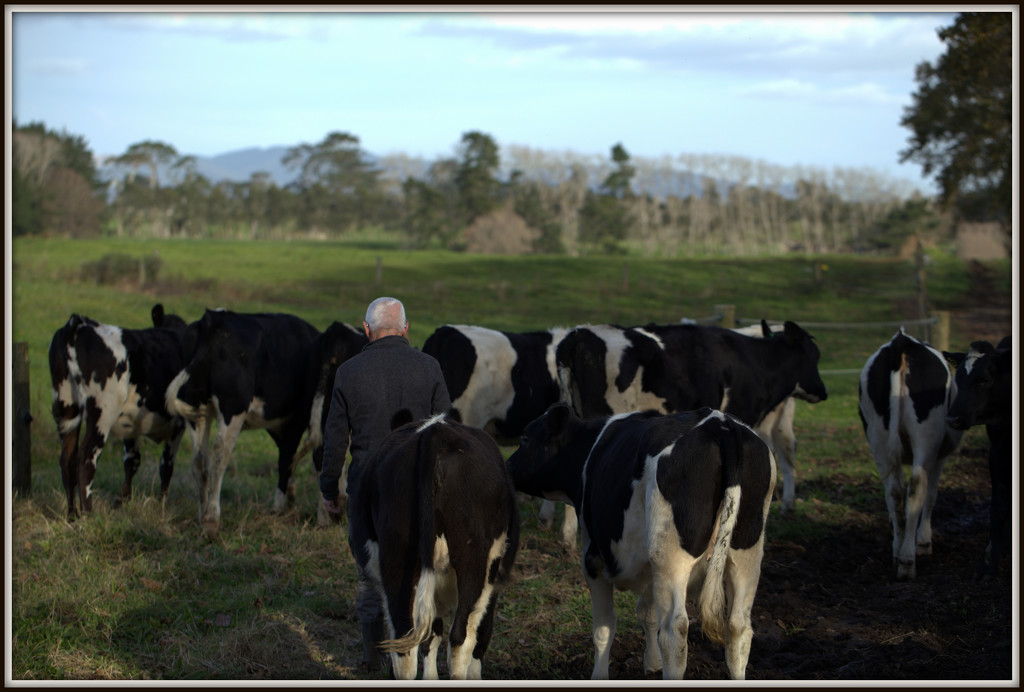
(133, 593)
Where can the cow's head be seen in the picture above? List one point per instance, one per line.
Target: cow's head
(804, 356)
(983, 385)
(552, 450)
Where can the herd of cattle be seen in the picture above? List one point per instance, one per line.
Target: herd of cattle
(662, 441)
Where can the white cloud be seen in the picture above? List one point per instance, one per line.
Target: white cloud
(863, 94)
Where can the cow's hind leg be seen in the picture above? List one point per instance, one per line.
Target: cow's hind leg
(891, 472)
(647, 614)
(741, 577)
(932, 471)
(223, 444)
(96, 429)
(132, 461)
(670, 578)
(433, 644)
(287, 443)
(69, 467)
(603, 605)
(917, 492)
(472, 619)
(169, 453)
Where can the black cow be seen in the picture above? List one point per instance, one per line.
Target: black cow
(905, 389)
(658, 496)
(500, 381)
(433, 520)
(114, 380)
(334, 346)
(985, 397)
(244, 371)
(606, 369)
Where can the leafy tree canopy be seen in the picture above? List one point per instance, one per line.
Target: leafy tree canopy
(961, 116)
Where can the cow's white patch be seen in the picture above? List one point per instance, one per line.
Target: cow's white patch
(489, 392)
(632, 397)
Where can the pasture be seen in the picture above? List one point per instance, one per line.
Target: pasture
(133, 593)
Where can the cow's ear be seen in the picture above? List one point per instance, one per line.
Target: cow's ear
(157, 313)
(401, 417)
(766, 331)
(954, 358)
(982, 347)
(558, 419)
(792, 332)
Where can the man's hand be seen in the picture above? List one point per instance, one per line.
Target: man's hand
(332, 506)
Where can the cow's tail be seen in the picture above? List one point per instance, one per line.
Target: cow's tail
(723, 436)
(433, 549)
(898, 395)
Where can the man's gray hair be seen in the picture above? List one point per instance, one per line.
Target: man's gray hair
(385, 313)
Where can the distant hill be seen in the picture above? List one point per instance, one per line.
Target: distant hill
(239, 166)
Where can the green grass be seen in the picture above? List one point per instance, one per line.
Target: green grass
(134, 593)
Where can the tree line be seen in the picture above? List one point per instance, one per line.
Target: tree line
(542, 202)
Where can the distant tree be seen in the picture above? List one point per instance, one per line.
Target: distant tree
(478, 161)
(432, 209)
(915, 217)
(348, 181)
(72, 208)
(961, 116)
(54, 184)
(604, 218)
(528, 203)
(151, 154)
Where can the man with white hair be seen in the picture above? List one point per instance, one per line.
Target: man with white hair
(369, 389)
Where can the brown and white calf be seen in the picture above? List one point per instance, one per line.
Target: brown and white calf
(905, 391)
(432, 520)
(111, 381)
(659, 496)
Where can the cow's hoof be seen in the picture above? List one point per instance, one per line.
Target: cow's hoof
(924, 548)
(906, 570)
(281, 503)
(211, 530)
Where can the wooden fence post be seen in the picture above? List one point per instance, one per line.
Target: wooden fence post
(21, 438)
(728, 313)
(940, 330)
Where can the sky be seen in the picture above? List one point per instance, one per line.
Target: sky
(821, 89)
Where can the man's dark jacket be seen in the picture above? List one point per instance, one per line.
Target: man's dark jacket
(369, 389)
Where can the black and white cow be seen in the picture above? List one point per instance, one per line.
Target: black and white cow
(606, 369)
(500, 381)
(113, 380)
(659, 496)
(336, 344)
(985, 397)
(433, 521)
(905, 390)
(776, 428)
(243, 372)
